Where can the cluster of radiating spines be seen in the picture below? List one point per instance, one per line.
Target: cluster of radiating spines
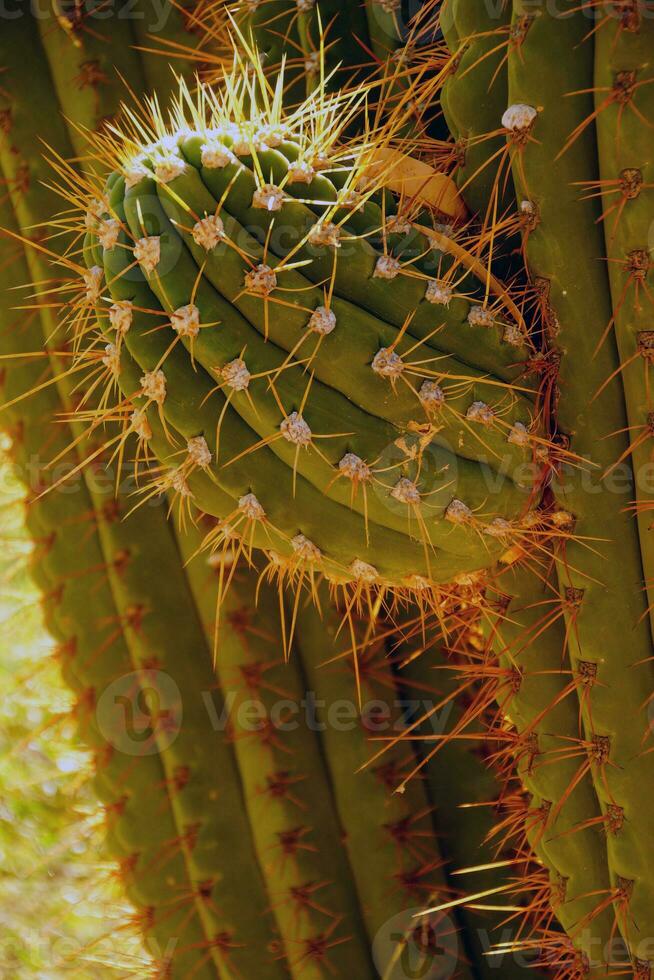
(346, 393)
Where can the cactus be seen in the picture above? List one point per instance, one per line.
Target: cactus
(288, 420)
(209, 898)
(335, 374)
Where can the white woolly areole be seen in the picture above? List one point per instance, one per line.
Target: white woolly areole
(396, 224)
(139, 424)
(457, 512)
(121, 315)
(272, 135)
(513, 335)
(479, 316)
(93, 283)
(250, 506)
(354, 468)
(388, 6)
(209, 231)
(519, 117)
(135, 173)
(519, 435)
(169, 168)
(431, 395)
(387, 267)
(186, 321)
(305, 548)
(300, 172)
(216, 155)
(147, 252)
(349, 197)
(304, 5)
(527, 207)
(268, 198)
(418, 583)
(295, 430)
(95, 211)
(312, 62)
(481, 412)
(325, 233)
(179, 484)
(322, 321)
(438, 292)
(236, 375)
(387, 363)
(198, 452)
(363, 572)
(153, 386)
(111, 359)
(261, 280)
(406, 491)
(562, 518)
(498, 528)
(108, 232)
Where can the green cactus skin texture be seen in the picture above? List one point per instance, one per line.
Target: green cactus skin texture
(465, 808)
(294, 824)
(477, 39)
(393, 845)
(579, 140)
(567, 828)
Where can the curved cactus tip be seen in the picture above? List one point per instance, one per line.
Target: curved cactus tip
(295, 394)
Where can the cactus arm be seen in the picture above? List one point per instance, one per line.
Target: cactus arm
(310, 885)
(390, 840)
(600, 584)
(626, 177)
(82, 618)
(570, 834)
